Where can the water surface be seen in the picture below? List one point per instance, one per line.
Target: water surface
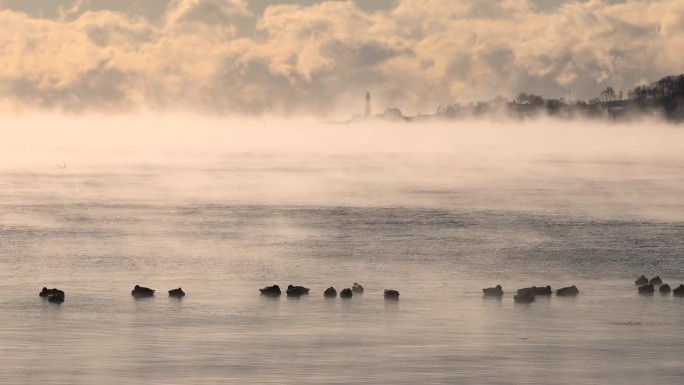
(437, 226)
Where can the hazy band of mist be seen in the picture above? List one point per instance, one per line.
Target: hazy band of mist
(218, 56)
(46, 140)
(572, 168)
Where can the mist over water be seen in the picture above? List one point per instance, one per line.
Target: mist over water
(221, 208)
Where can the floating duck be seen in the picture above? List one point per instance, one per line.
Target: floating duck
(527, 290)
(546, 290)
(493, 291)
(656, 281)
(524, 297)
(346, 293)
(641, 281)
(391, 294)
(56, 296)
(646, 289)
(664, 289)
(271, 291)
(296, 291)
(141, 292)
(178, 293)
(357, 289)
(330, 292)
(44, 293)
(678, 291)
(567, 291)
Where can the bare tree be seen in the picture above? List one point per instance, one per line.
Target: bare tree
(608, 94)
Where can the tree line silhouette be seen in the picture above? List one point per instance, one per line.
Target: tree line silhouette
(662, 100)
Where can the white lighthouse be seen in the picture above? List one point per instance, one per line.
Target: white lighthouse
(367, 111)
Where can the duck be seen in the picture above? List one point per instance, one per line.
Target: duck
(664, 289)
(524, 297)
(656, 281)
(55, 291)
(44, 293)
(296, 291)
(56, 296)
(646, 289)
(141, 292)
(346, 293)
(271, 291)
(527, 290)
(567, 291)
(641, 281)
(177, 293)
(53, 295)
(357, 289)
(546, 290)
(678, 291)
(391, 294)
(493, 291)
(330, 292)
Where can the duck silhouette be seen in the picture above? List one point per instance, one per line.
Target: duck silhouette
(391, 294)
(296, 291)
(357, 289)
(664, 289)
(330, 292)
(177, 293)
(527, 290)
(646, 289)
(546, 290)
(142, 292)
(270, 291)
(678, 291)
(567, 291)
(493, 291)
(346, 293)
(45, 293)
(526, 296)
(656, 281)
(641, 281)
(56, 297)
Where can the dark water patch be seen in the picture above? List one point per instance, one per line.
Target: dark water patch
(629, 323)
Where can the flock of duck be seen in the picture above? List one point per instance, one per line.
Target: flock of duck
(647, 286)
(528, 294)
(298, 291)
(524, 295)
(55, 295)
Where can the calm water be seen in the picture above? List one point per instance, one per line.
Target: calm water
(437, 228)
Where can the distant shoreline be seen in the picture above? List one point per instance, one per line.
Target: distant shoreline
(662, 100)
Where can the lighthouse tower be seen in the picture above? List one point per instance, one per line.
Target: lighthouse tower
(367, 112)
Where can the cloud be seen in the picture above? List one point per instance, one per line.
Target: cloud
(216, 56)
(219, 13)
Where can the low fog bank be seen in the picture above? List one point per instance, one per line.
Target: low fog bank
(574, 168)
(43, 141)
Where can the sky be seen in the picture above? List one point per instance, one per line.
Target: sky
(309, 57)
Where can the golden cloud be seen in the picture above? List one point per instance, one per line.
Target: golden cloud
(216, 56)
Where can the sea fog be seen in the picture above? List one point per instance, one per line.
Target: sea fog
(94, 205)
